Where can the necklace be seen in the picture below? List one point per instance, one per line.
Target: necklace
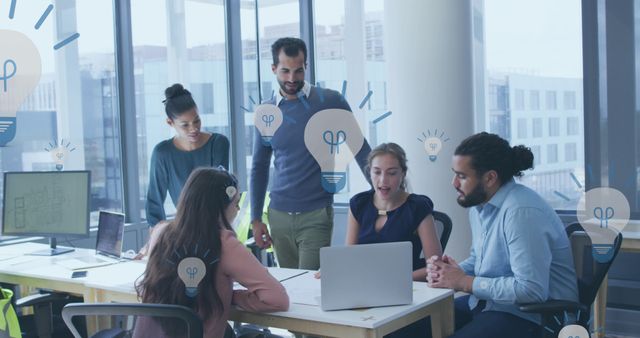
(382, 212)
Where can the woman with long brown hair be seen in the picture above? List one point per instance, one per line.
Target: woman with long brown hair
(202, 230)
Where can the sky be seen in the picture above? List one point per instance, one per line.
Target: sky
(541, 37)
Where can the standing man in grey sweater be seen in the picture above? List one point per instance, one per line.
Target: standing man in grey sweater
(300, 212)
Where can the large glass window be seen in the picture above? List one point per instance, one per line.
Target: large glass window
(177, 42)
(537, 127)
(349, 45)
(542, 67)
(550, 100)
(258, 33)
(73, 105)
(554, 126)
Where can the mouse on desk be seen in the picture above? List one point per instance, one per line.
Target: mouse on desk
(129, 254)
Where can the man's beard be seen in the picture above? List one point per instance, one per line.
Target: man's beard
(299, 85)
(476, 196)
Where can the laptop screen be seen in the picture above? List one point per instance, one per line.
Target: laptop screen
(110, 232)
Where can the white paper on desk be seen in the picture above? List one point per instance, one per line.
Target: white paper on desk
(7, 256)
(281, 273)
(304, 289)
(21, 259)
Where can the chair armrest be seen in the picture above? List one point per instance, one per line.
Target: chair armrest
(39, 298)
(552, 306)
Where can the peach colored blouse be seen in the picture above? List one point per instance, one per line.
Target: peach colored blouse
(263, 294)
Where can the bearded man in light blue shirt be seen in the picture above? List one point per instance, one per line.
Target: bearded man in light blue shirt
(520, 252)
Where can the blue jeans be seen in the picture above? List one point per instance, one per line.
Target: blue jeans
(490, 324)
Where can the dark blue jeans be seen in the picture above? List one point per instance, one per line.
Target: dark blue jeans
(490, 324)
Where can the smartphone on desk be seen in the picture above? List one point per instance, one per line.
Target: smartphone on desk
(79, 274)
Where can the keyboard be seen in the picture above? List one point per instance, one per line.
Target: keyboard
(85, 262)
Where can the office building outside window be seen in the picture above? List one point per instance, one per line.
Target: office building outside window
(177, 42)
(541, 69)
(570, 152)
(537, 127)
(569, 100)
(522, 128)
(73, 106)
(349, 48)
(259, 82)
(554, 126)
(551, 100)
(552, 153)
(519, 104)
(534, 100)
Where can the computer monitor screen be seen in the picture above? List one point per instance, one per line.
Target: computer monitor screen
(46, 203)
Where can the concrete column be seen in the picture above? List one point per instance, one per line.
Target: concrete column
(428, 50)
(69, 114)
(177, 56)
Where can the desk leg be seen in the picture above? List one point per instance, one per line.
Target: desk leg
(442, 320)
(600, 309)
(92, 321)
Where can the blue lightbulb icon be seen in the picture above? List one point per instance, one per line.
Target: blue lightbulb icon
(20, 69)
(333, 137)
(573, 331)
(191, 271)
(267, 118)
(606, 213)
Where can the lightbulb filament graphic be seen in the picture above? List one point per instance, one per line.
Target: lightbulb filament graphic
(334, 139)
(268, 119)
(5, 77)
(603, 216)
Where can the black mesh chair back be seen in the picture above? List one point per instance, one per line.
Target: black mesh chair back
(589, 272)
(192, 323)
(443, 229)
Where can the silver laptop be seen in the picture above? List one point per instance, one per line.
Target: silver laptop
(108, 243)
(366, 275)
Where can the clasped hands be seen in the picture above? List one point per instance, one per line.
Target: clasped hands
(444, 272)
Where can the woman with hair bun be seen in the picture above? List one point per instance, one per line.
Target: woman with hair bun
(174, 159)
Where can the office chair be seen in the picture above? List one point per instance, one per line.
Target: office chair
(185, 314)
(590, 274)
(45, 321)
(443, 225)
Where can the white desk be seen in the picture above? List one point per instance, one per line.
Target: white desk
(305, 318)
(115, 283)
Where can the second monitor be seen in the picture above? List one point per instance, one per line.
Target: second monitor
(47, 203)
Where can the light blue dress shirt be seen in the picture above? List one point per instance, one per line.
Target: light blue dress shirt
(520, 253)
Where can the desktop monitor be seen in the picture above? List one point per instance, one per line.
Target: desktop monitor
(46, 203)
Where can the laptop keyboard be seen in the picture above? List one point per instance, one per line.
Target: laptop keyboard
(94, 260)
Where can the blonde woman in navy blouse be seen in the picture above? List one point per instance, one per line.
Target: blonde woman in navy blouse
(388, 213)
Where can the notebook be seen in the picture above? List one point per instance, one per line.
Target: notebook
(366, 275)
(108, 243)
